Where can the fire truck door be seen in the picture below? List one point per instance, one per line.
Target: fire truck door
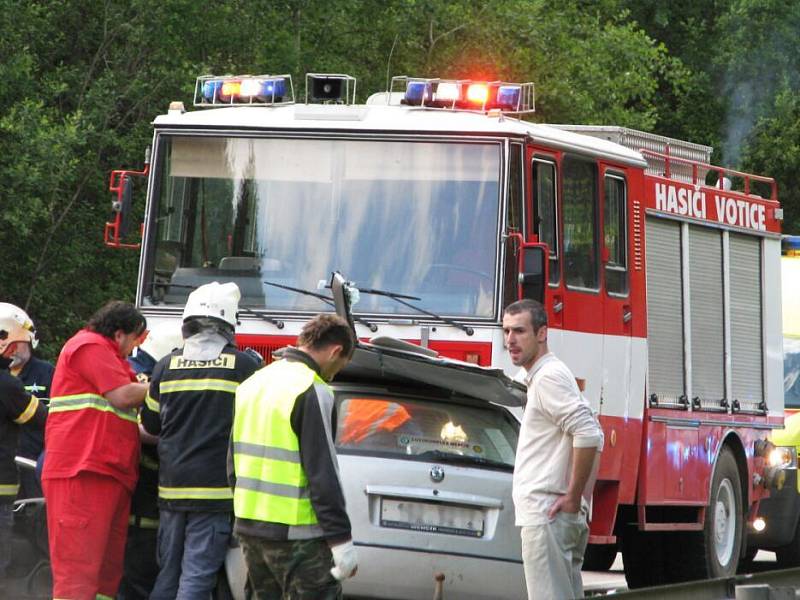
(617, 309)
(578, 300)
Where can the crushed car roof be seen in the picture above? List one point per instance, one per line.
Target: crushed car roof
(395, 361)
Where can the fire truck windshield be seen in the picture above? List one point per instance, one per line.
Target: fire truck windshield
(415, 217)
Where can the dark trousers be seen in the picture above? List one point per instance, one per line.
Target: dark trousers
(191, 550)
(6, 533)
(141, 567)
(291, 570)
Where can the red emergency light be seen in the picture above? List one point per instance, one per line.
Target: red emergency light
(466, 94)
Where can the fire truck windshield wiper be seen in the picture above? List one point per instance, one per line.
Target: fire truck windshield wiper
(277, 322)
(401, 298)
(326, 299)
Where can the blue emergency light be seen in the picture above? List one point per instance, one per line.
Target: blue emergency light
(508, 97)
(417, 92)
(790, 245)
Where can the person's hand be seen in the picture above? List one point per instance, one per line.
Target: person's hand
(564, 504)
(345, 560)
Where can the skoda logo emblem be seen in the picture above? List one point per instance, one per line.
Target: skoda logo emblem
(437, 473)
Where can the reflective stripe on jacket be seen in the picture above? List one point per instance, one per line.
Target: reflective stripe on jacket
(271, 484)
(190, 407)
(92, 401)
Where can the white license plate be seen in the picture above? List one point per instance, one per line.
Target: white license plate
(433, 517)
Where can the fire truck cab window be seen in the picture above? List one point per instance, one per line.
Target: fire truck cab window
(514, 221)
(420, 218)
(544, 190)
(615, 227)
(579, 203)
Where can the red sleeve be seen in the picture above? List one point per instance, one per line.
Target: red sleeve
(103, 369)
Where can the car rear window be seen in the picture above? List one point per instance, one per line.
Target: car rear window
(427, 429)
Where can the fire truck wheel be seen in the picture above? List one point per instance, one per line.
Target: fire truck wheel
(599, 557)
(643, 557)
(714, 552)
(724, 518)
(746, 561)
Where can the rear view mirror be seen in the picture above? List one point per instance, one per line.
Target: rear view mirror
(121, 186)
(124, 204)
(533, 271)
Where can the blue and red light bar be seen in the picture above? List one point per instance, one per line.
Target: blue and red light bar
(211, 90)
(467, 94)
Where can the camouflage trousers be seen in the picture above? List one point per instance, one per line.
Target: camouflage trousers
(291, 570)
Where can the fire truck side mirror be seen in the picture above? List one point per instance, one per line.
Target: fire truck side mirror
(533, 271)
(125, 204)
(121, 187)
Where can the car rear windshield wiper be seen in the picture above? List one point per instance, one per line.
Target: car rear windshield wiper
(401, 298)
(327, 299)
(449, 457)
(277, 322)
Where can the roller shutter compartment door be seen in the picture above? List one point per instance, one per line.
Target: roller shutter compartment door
(707, 316)
(747, 355)
(664, 310)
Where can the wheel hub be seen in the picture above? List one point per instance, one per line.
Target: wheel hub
(724, 524)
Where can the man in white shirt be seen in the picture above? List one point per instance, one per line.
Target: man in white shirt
(558, 443)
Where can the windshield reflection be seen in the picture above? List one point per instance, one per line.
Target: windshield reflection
(791, 372)
(418, 218)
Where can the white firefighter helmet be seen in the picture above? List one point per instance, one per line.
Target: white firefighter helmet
(215, 300)
(163, 339)
(15, 326)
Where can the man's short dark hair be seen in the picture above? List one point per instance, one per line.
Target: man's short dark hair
(533, 307)
(325, 330)
(115, 316)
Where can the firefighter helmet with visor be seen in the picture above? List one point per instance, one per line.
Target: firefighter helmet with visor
(215, 300)
(15, 326)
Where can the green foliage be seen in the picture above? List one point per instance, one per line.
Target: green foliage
(82, 81)
(774, 148)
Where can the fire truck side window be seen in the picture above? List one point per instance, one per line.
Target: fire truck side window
(579, 203)
(514, 222)
(614, 222)
(544, 190)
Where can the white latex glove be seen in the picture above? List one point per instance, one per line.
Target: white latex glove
(345, 560)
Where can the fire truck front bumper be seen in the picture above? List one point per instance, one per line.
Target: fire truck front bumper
(780, 513)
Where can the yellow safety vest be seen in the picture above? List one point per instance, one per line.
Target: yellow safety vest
(271, 484)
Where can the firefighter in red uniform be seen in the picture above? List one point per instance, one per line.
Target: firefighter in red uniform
(17, 407)
(92, 445)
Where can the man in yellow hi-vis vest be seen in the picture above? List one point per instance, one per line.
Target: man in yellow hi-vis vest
(288, 500)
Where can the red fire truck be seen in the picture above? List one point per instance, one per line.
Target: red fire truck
(660, 273)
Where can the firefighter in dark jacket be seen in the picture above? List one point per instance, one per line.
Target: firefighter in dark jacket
(17, 408)
(36, 375)
(190, 408)
(288, 500)
(141, 567)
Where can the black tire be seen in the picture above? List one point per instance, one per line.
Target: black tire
(715, 551)
(643, 557)
(599, 557)
(746, 562)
